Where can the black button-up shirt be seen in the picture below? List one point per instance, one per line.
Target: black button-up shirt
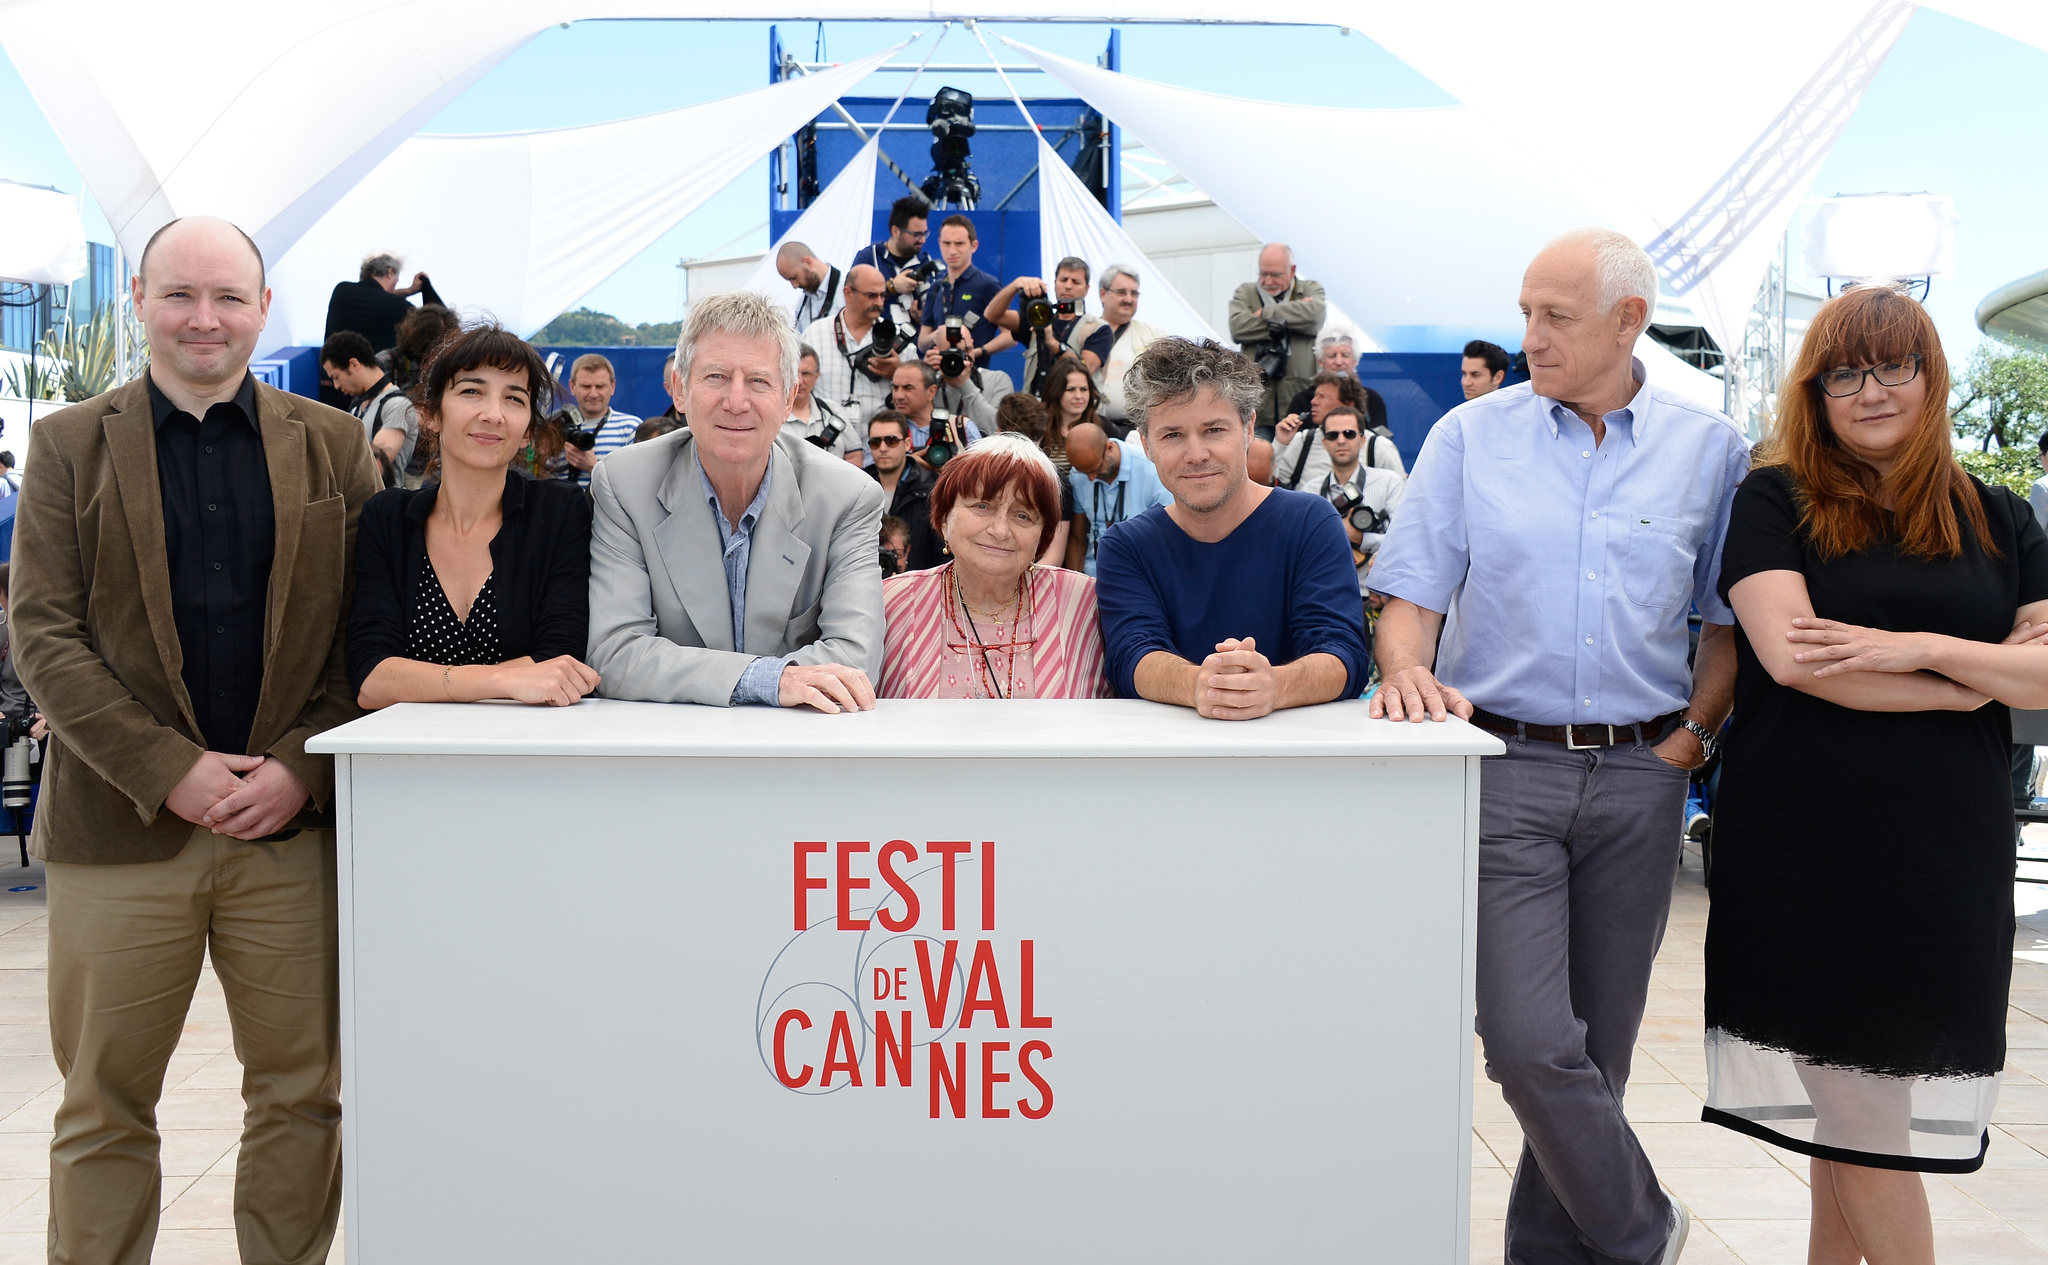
(220, 532)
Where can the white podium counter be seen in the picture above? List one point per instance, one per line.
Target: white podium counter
(944, 982)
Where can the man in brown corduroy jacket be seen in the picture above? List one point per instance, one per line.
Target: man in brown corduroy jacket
(183, 562)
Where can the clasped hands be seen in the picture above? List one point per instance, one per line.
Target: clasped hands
(1236, 683)
(243, 796)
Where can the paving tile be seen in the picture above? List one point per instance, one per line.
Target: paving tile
(1489, 1240)
(1985, 1244)
(1699, 1145)
(2022, 1104)
(1490, 1193)
(207, 1204)
(2032, 1135)
(1504, 1139)
(1716, 1194)
(24, 1249)
(1651, 1104)
(1949, 1199)
(1761, 1240)
(190, 1152)
(35, 1113)
(194, 1246)
(1703, 1247)
(225, 1165)
(24, 1155)
(2009, 1151)
(201, 1109)
(31, 1215)
(15, 1191)
(2014, 1194)
(27, 1073)
(222, 1071)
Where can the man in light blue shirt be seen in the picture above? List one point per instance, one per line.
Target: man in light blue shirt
(1556, 532)
(1113, 481)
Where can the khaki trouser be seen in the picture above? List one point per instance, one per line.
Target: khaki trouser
(126, 944)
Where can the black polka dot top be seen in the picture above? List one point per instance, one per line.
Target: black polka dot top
(438, 637)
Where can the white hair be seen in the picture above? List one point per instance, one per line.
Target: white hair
(1010, 443)
(743, 314)
(1331, 336)
(1621, 265)
(1110, 272)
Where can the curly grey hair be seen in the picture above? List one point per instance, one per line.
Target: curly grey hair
(746, 315)
(1173, 369)
(376, 266)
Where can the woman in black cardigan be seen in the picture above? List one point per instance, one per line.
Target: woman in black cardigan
(477, 586)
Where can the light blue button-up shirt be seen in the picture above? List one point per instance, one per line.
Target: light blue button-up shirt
(1565, 567)
(1135, 489)
(762, 680)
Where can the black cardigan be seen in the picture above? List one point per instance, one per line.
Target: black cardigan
(540, 559)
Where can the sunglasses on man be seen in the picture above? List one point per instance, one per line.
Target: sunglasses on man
(885, 441)
(1340, 434)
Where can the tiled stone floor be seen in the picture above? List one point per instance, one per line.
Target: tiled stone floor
(1750, 1200)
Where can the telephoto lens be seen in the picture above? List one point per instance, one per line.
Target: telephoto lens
(940, 448)
(1037, 311)
(16, 779)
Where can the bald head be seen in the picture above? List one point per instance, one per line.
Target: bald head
(795, 264)
(1086, 444)
(1276, 267)
(204, 232)
(1258, 462)
(865, 291)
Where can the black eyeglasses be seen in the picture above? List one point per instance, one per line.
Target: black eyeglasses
(1843, 383)
(1340, 434)
(884, 441)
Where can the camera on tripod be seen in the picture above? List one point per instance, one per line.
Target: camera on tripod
(951, 118)
(953, 361)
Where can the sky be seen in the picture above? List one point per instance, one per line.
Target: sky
(1953, 111)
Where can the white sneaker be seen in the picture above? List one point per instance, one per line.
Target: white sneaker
(1681, 1223)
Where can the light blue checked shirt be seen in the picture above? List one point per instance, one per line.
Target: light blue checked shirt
(762, 681)
(1564, 568)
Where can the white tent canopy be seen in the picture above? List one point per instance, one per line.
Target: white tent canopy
(834, 226)
(1072, 222)
(502, 231)
(301, 102)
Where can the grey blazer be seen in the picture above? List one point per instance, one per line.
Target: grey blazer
(660, 620)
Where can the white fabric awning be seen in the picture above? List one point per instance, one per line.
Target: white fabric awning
(834, 226)
(44, 239)
(504, 230)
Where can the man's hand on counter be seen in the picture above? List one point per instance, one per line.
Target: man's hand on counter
(829, 687)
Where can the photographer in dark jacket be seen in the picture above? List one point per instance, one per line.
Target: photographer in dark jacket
(373, 305)
(476, 586)
(907, 484)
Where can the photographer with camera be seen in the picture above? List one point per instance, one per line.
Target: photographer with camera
(816, 283)
(952, 319)
(1057, 319)
(943, 420)
(388, 417)
(1336, 353)
(1366, 496)
(908, 487)
(900, 258)
(1275, 321)
(594, 428)
(858, 349)
(818, 423)
(1298, 456)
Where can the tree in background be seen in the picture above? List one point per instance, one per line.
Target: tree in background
(585, 328)
(2001, 398)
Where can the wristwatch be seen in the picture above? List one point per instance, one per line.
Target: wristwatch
(1709, 742)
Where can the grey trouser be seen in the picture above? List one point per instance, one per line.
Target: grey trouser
(1577, 853)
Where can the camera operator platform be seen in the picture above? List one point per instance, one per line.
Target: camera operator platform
(1275, 321)
(858, 349)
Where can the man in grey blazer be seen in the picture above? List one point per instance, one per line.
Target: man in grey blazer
(727, 567)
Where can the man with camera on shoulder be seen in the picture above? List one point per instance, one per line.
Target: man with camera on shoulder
(858, 349)
(945, 416)
(1275, 321)
(816, 422)
(595, 428)
(1057, 319)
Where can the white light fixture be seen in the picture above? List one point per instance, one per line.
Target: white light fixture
(1894, 236)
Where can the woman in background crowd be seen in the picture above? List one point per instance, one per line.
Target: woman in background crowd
(990, 624)
(1883, 598)
(1025, 415)
(476, 586)
(1070, 398)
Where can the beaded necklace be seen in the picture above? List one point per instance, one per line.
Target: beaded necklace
(956, 605)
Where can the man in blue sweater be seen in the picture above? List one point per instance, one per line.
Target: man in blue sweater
(1236, 600)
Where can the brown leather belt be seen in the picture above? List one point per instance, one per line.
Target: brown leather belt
(1577, 737)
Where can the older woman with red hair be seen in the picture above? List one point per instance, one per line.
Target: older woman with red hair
(1859, 948)
(990, 624)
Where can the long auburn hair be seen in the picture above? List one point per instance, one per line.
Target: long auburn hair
(1841, 497)
(1054, 386)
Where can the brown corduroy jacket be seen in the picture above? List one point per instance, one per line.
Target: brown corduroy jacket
(94, 639)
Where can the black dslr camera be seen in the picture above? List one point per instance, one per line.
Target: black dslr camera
(574, 433)
(1360, 515)
(921, 272)
(953, 361)
(1271, 358)
(887, 339)
(1042, 310)
(944, 442)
